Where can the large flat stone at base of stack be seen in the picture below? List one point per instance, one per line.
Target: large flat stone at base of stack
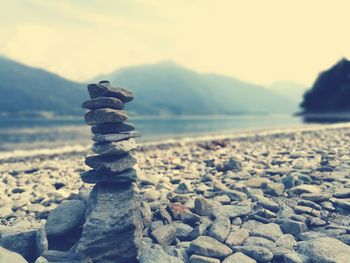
(112, 232)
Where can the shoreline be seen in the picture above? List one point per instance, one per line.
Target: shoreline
(175, 140)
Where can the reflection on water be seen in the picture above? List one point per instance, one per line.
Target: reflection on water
(33, 134)
(326, 118)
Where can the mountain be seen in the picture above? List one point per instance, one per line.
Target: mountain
(28, 90)
(167, 88)
(160, 89)
(291, 90)
(331, 90)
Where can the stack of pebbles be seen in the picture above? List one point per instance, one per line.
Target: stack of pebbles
(114, 139)
(112, 231)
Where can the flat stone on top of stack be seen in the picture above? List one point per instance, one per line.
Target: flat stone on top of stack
(113, 229)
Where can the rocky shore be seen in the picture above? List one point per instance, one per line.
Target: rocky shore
(281, 197)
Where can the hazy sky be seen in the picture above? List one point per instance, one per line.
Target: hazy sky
(255, 40)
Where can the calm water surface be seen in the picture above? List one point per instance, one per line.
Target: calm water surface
(34, 133)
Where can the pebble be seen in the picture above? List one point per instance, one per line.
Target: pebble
(164, 235)
(5, 200)
(5, 212)
(163, 215)
(202, 206)
(146, 214)
(260, 242)
(36, 208)
(41, 242)
(232, 164)
(182, 230)
(103, 102)
(302, 189)
(270, 231)
(93, 177)
(267, 214)
(22, 243)
(309, 204)
(101, 116)
(231, 211)
(111, 128)
(260, 254)
(189, 217)
(220, 229)
(66, 217)
(183, 187)
(110, 163)
(209, 247)
(237, 221)
(224, 199)
(115, 148)
(286, 241)
(268, 204)
(293, 227)
(344, 238)
(343, 204)
(293, 257)
(345, 193)
(318, 197)
(275, 189)
(234, 195)
(151, 195)
(156, 224)
(316, 222)
(328, 206)
(239, 258)
(9, 256)
(311, 235)
(199, 230)
(289, 181)
(237, 237)
(157, 254)
(325, 249)
(106, 90)
(202, 259)
(115, 137)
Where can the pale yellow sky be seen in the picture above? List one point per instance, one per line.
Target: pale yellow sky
(260, 41)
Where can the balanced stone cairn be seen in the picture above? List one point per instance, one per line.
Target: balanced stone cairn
(113, 228)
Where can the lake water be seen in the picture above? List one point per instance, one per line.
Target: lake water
(35, 133)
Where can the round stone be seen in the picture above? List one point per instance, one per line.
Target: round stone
(93, 177)
(209, 247)
(105, 89)
(115, 137)
(110, 163)
(66, 217)
(111, 128)
(115, 148)
(10, 256)
(101, 116)
(103, 102)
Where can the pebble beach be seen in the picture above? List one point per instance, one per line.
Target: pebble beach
(262, 197)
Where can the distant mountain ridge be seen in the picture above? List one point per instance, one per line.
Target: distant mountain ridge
(160, 89)
(166, 87)
(30, 90)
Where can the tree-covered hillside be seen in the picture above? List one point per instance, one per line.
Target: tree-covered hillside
(331, 90)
